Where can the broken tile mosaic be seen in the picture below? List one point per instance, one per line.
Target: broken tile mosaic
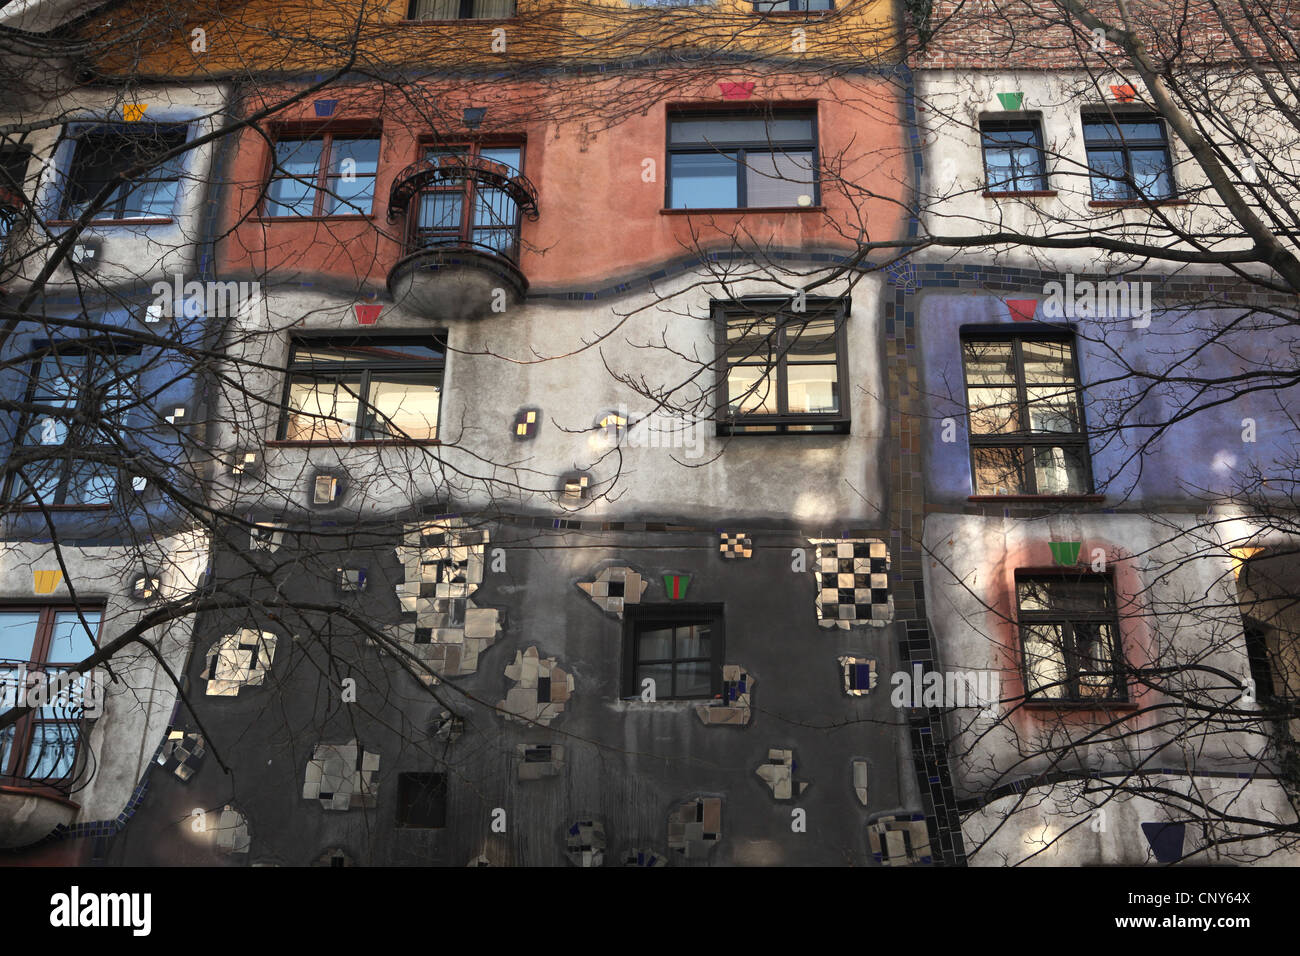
(542, 689)
(899, 841)
(859, 675)
(342, 777)
(695, 827)
(182, 754)
(584, 843)
(852, 582)
(732, 705)
(232, 831)
(639, 857)
(860, 781)
(238, 660)
(615, 588)
(778, 773)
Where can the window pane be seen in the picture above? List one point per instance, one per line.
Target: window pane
(353, 163)
(70, 641)
(293, 189)
(751, 390)
(441, 210)
(750, 339)
(778, 179)
(151, 200)
(1065, 594)
(661, 674)
(1052, 408)
(1048, 361)
(18, 634)
(6, 748)
(993, 410)
(492, 207)
(755, 130)
(100, 158)
(90, 483)
(703, 181)
(694, 640)
(506, 155)
(990, 363)
(436, 10)
(812, 341)
(1108, 174)
(54, 750)
(1044, 660)
(323, 411)
(655, 644)
(813, 389)
(1059, 471)
(1151, 173)
(999, 471)
(404, 405)
(1092, 648)
(693, 680)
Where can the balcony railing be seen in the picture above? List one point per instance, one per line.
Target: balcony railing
(46, 749)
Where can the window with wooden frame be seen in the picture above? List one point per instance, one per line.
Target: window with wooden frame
(1069, 633)
(76, 399)
(37, 643)
(1128, 157)
(363, 388)
(462, 211)
(1013, 155)
(742, 159)
(792, 6)
(323, 174)
(1027, 434)
(781, 371)
(103, 155)
(678, 646)
(461, 9)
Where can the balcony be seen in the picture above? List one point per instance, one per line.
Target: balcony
(461, 246)
(12, 217)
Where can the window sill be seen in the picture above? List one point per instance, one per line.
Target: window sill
(793, 14)
(97, 223)
(431, 22)
(36, 789)
(1135, 203)
(1043, 498)
(1077, 705)
(734, 210)
(1017, 193)
(349, 217)
(365, 443)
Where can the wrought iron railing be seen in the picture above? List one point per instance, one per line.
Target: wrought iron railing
(47, 746)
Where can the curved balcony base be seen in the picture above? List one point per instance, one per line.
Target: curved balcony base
(447, 284)
(29, 815)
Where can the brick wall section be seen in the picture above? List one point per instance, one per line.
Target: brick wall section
(1018, 34)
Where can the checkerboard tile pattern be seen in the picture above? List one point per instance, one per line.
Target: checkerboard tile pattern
(237, 661)
(615, 588)
(182, 754)
(737, 545)
(852, 583)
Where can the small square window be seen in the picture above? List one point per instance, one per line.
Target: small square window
(1013, 156)
(422, 800)
(1128, 157)
(781, 371)
(678, 647)
(1069, 636)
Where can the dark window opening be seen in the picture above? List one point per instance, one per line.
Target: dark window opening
(462, 9)
(363, 389)
(1013, 156)
(739, 160)
(784, 370)
(1069, 634)
(104, 155)
(679, 647)
(1025, 408)
(422, 800)
(1128, 157)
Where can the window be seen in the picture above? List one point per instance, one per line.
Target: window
(364, 389)
(461, 210)
(422, 800)
(36, 643)
(1013, 156)
(104, 154)
(1128, 157)
(678, 646)
(67, 381)
(1026, 417)
(793, 6)
(783, 369)
(742, 160)
(462, 9)
(330, 175)
(1068, 632)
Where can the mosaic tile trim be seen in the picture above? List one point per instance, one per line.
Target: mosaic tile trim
(342, 777)
(852, 582)
(232, 831)
(778, 774)
(860, 773)
(334, 856)
(900, 841)
(695, 827)
(732, 705)
(584, 843)
(542, 688)
(615, 588)
(237, 661)
(442, 566)
(182, 754)
(640, 857)
(859, 674)
(538, 761)
(736, 545)
(446, 726)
